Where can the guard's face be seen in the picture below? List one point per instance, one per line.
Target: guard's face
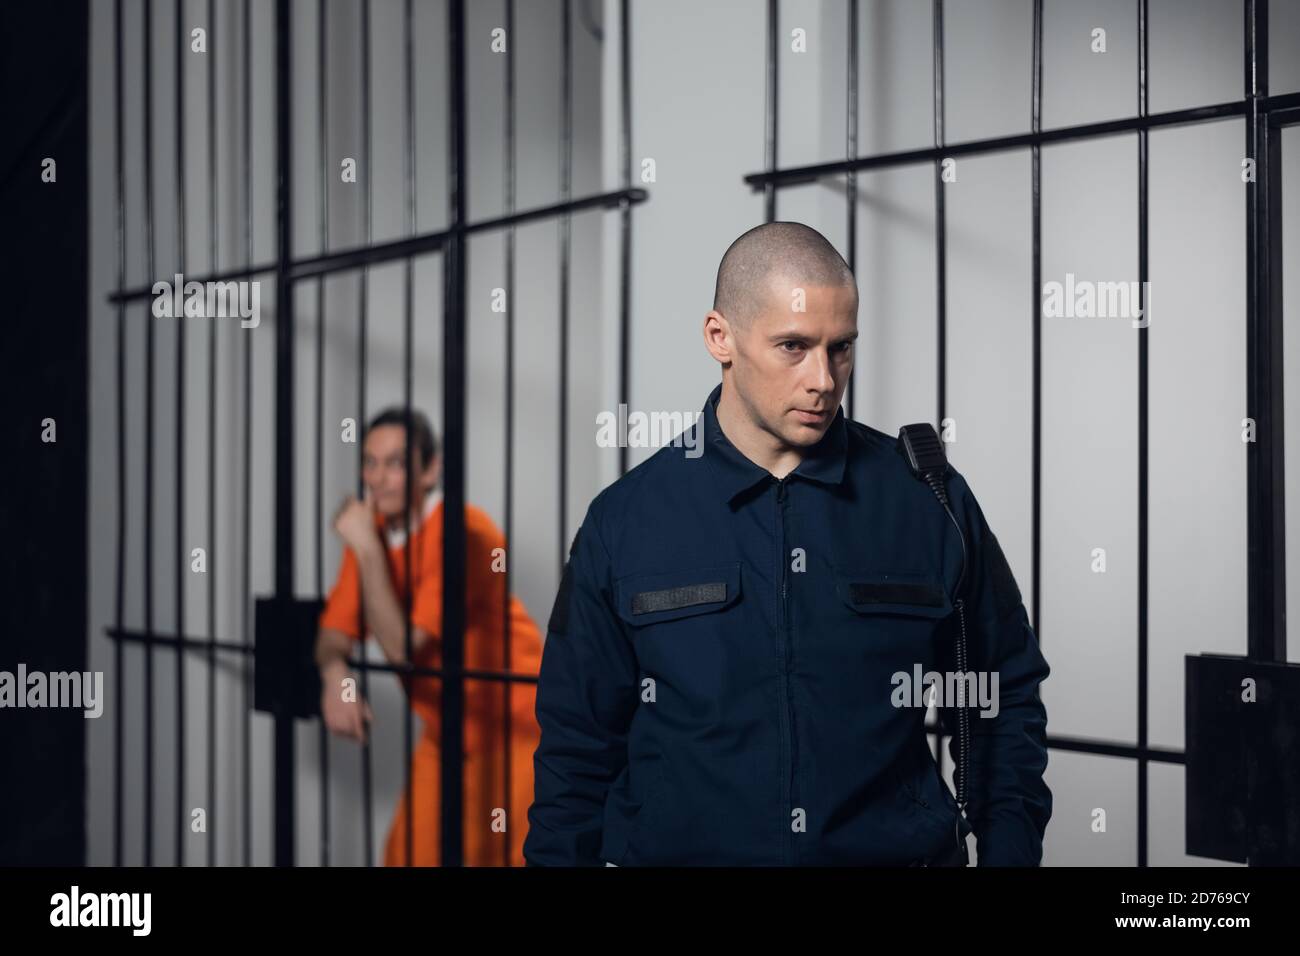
(791, 367)
(384, 469)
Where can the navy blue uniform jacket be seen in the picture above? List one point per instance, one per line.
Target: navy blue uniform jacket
(717, 683)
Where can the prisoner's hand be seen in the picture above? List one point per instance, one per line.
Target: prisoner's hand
(345, 717)
(354, 522)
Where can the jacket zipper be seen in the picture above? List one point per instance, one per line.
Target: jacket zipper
(787, 708)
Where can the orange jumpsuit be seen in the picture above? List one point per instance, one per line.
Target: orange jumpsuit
(489, 820)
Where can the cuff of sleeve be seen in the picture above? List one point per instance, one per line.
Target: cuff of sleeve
(1008, 841)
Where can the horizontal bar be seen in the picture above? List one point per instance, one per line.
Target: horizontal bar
(128, 636)
(1199, 114)
(357, 257)
(1075, 744)
(1286, 117)
(431, 242)
(141, 293)
(1099, 747)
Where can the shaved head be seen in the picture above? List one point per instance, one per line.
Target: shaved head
(783, 326)
(791, 252)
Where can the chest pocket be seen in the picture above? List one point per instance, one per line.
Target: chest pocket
(907, 593)
(671, 595)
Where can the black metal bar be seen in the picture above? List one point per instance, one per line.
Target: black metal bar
(1087, 745)
(367, 788)
(940, 248)
(119, 591)
(1142, 424)
(323, 220)
(179, 557)
(1036, 322)
(771, 111)
(940, 218)
(128, 636)
(453, 544)
(797, 175)
(438, 241)
(213, 265)
(147, 56)
(245, 605)
(357, 257)
(851, 153)
(145, 292)
(1106, 749)
(1100, 748)
(284, 424)
(1265, 488)
(566, 178)
(408, 346)
(625, 217)
(131, 636)
(506, 634)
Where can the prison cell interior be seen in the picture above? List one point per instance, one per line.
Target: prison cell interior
(1264, 116)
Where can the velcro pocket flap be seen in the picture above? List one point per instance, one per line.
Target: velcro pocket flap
(665, 596)
(916, 593)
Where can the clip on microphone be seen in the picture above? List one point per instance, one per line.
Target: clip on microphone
(922, 448)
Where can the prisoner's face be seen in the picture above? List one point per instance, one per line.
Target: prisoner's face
(383, 468)
(791, 366)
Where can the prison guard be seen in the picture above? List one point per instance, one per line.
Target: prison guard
(484, 792)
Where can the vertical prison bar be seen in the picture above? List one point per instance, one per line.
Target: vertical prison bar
(851, 153)
(625, 218)
(285, 783)
(213, 265)
(147, 54)
(940, 254)
(119, 589)
(323, 221)
(773, 88)
(178, 124)
(453, 542)
(566, 176)
(246, 464)
(408, 346)
(367, 787)
(508, 191)
(1142, 420)
(1266, 565)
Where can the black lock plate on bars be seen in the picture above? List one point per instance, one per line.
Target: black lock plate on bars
(285, 677)
(1243, 760)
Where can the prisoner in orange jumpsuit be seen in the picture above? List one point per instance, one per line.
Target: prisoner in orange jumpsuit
(371, 587)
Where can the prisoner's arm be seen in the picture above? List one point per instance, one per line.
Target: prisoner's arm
(332, 649)
(382, 608)
(344, 714)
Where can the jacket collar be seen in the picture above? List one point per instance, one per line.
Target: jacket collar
(824, 462)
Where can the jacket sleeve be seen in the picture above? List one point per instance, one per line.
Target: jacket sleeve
(586, 696)
(1009, 803)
